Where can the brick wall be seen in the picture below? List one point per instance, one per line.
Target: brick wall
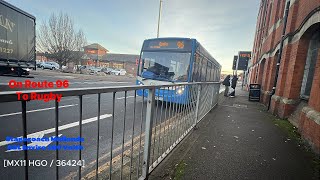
(310, 131)
(304, 8)
(292, 64)
(297, 13)
(283, 70)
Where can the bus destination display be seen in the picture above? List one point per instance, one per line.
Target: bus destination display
(168, 44)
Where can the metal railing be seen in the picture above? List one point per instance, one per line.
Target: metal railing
(140, 132)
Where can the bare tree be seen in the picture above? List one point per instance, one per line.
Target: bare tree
(60, 40)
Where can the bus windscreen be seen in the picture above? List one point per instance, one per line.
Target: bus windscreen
(165, 66)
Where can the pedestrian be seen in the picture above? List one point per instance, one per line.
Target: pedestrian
(226, 83)
(233, 85)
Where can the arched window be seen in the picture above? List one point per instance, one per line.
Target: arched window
(309, 68)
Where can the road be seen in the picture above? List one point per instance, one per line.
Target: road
(41, 123)
(41, 118)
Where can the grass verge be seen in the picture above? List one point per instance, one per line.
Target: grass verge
(179, 170)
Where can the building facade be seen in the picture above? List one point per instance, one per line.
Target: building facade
(296, 85)
(97, 55)
(93, 54)
(123, 61)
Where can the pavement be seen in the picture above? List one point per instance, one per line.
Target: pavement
(237, 140)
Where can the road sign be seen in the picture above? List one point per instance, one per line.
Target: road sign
(244, 57)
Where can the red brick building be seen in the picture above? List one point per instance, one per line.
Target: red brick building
(297, 90)
(93, 54)
(97, 55)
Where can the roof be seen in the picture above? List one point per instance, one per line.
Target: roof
(95, 46)
(122, 57)
(165, 38)
(114, 57)
(38, 53)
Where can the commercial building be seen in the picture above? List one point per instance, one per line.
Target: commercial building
(95, 54)
(297, 90)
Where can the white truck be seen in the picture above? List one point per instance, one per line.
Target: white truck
(17, 40)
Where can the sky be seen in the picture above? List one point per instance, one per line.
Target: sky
(223, 27)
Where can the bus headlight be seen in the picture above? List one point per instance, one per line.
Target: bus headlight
(180, 91)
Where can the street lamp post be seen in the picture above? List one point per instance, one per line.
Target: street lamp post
(159, 18)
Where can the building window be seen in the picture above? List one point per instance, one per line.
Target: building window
(265, 14)
(269, 20)
(309, 68)
(279, 8)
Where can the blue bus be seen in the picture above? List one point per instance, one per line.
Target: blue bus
(166, 61)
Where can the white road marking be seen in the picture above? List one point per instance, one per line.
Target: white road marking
(124, 97)
(36, 143)
(37, 110)
(75, 98)
(221, 90)
(65, 77)
(60, 128)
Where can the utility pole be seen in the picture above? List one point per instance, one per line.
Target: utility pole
(237, 65)
(160, 7)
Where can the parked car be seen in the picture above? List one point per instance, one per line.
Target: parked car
(83, 67)
(119, 72)
(107, 70)
(94, 70)
(38, 64)
(50, 65)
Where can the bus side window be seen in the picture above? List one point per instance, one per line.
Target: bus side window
(196, 66)
(217, 75)
(209, 71)
(204, 69)
(213, 74)
(141, 65)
